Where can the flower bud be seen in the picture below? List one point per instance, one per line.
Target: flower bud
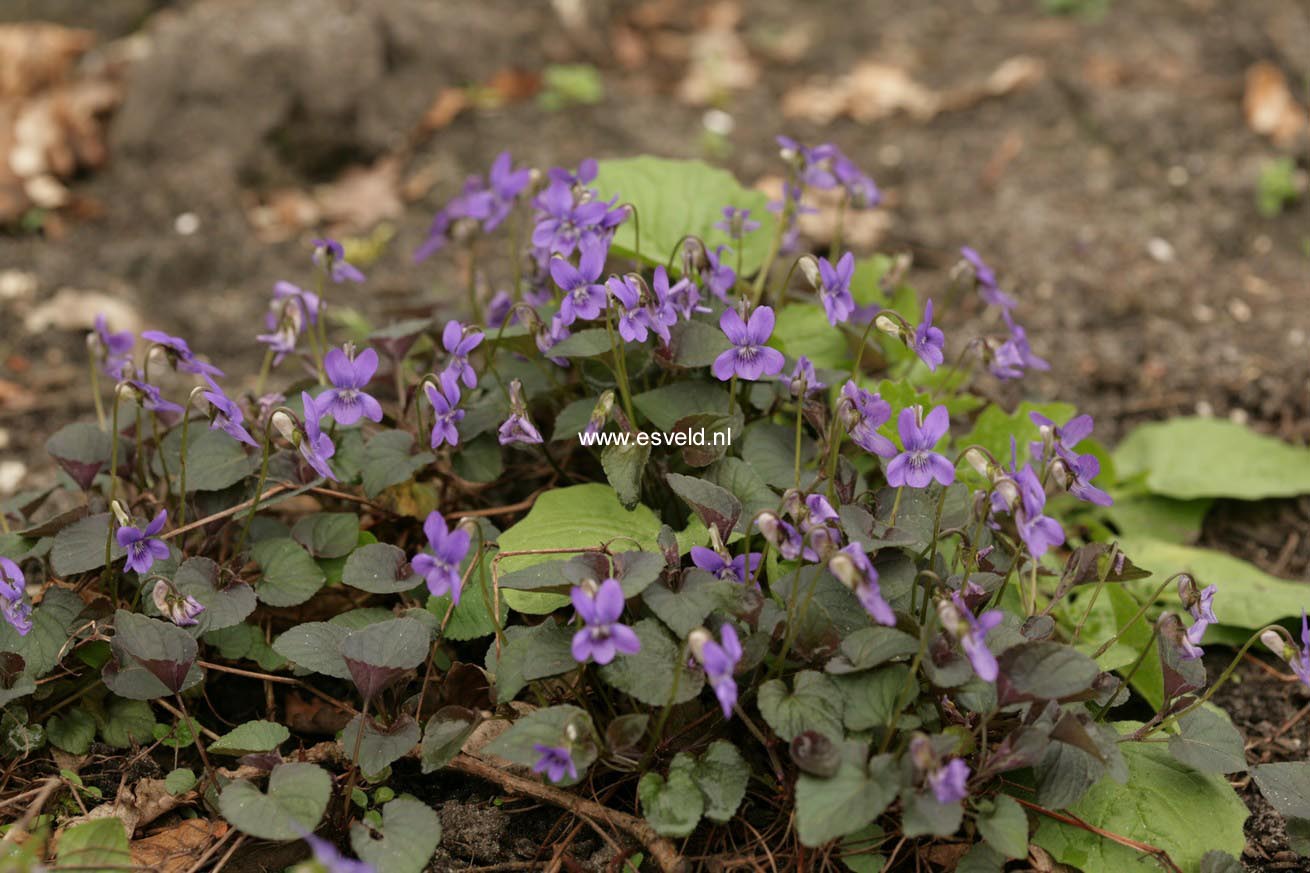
(1275, 643)
(285, 425)
(922, 754)
(887, 325)
(589, 585)
(823, 541)
(793, 503)
(810, 268)
(841, 566)
(696, 641)
(469, 525)
(1009, 491)
(1187, 592)
(952, 621)
(119, 513)
(978, 459)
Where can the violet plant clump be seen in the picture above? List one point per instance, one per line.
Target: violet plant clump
(689, 514)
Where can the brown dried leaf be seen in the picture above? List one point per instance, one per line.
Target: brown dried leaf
(447, 106)
(34, 56)
(136, 806)
(720, 62)
(361, 198)
(1271, 109)
(861, 228)
(175, 848)
(313, 717)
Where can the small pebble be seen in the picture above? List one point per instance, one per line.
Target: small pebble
(1160, 249)
(186, 224)
(890, 155)
(11, 475)
(1203, 313)
(1240, 310)
(1178, 175)
(1204, 409)
(1239, 416)
(718, 122)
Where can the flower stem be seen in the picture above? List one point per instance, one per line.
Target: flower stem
(95, 391)
(732, 393)
(1150, 601)
(259, 489)
(775, 245)
(195, 734)
(796, 464)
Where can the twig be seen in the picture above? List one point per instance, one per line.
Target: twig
(231, 510)
(33, 810)
(663, 851)
(1145, 848)
(177, 713)
(211, 851)
(509, 508)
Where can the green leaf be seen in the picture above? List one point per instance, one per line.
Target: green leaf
(847, 801)
(126, 723)
(994, 427)
(1207, 741)
(224, 607)
(1004, 825)
(859, 850)
(769, 449)
(82, 450)
(297, 797)
(673, 806)
(379, 747)
(981, 858)
(716, 506)
(472, 617)
(579, 516)
(388, 461)
(249, 738)
(315, 646)
(380, 653)
(1046, 671)
(586, 343)
(531, 653)
(380, 568)
(71, 731)
(624, 466)
(179, 781)
(409, 835)
(80, 547)
(803, 329)
(869, 699)
(152, 658)
(444, 736)
(742, 480)
(1164, 804)
(1220, 862)
(327, 534)
(676, 198)
(649, 674)
(551, 726)
(1158, 518)
(99, 844)
(664, 407)
(922, 815)
(214, 460)
(290, 576)
(869, 647)
(721, 774)
(694, 343)
(52, 621)
(1251, 597)
(1206, 457)
(685, 609)
(813, 704)
(1286, 786)
(479, 460)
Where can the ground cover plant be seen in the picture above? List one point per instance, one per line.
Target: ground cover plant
(714, 543)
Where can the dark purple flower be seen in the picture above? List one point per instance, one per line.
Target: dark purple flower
(918, 465)
(583, 297)
(347, 401)
(142, 546)
(150, 397)
(949, 783)
(863, 413)
(499, 308)
(929, 341)
(180, 353)
(332, 860)
(726, 567)
(720, 662)
(227, 415)
(835, 288)
(555, 762)
(853, 569)
(115, 348)
(329, 254)
(1301, 663)
(315, 446)
(804, 381)
(459, 343)
(602, 636)
(12, 605)
(445, 415)
(1081, 470)
(505, 185)
(518, 428)
(563, 222)
(736, 222)
(971, 631)
(440, 568)
(991, 292)
(181, 609)
(749, 358)
(782, 535)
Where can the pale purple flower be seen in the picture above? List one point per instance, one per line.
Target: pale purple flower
(548, 338)
(227, 415)
(602, 636)
(315, 446)
(854, 569)
(15, 609)
(555, 762)
(949, 783)
(473, 203)
(634, 319)
(1012, 357)
(588, 170)
(1201, 606)
(584, 297)
(717, 276)
(682, 298)
(720, 662)
(505, 186)
(563, 223)
(972, 633)
(918, 465)
(347, 401)
(331, 859)
(329, 254)
(1082, 470)
(782, 535)
(440, 567)
(1039, 532)
(518, 428)
(835, 288)
(1062, 439)
(749, 358)
(143, 547)
(151, 399)
(1300, 664)
(499, 308)
(863, 413)
(860, 187)
(736, 222)
(281, 341)
(180, 353)
(445, 413)
(115, 347)
(804, 381)
(929, 342)
(181, 609)
(459, 342)
(990, 292)
(726, 568)
(307, 301)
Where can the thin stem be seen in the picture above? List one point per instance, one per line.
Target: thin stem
(835, 246)
(354, 757)
(200, 747)
(259, 488)
(658, 734)
(264, 369)
(620, 365)
(775, 245)
(95, 391)
(1150, 601)
(796, 464)
(732, 393)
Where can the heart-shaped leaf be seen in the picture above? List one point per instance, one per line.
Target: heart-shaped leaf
(409, 835)
(297, 797)
(225, 606)
(379, 568)
(250, 738)
(379, 747)
(290, 575)
(315, 646)
(327, 534)
(147, 649)
(445, 734)
(553, 726)
(381, 653)
(82, 450)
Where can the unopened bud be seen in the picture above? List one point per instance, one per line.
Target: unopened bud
(589, 585)
(887, 325)
(922, 753)
(696, 641)
(285, 425)
(810, 267)
(119, 513)
(1009, 492)
(978, 459)
(1060, 472)
(823, 541)
(468, 525)
(841, 566)
(1275, 643)
(572, 733)
(768, 523)
(1187, 592)
(951, 619)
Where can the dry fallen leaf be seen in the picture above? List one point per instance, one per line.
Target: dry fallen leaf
(1271, 109)
(719, 63)
(861, 228)
(313, 717)
(174, 849)
(136, 806)
(34, 56)
(361, 198)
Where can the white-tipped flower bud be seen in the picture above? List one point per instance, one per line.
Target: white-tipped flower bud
(285, 425)
(810, 268)
(1009, 492)
(1275, 643)
(887, 325)
(1060, 472)
(978, 459)
(768, 524)
(696, 641)
(841, 566)
(119, 513)
(951, 619)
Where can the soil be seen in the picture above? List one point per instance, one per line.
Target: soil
(1116, 196)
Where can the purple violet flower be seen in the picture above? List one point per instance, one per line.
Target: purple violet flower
(835, 288)
(331, 859)
(918, 465)
(445, 415)
(499, 308)
(555, 762)
(782, 535)
(602, 636)
(180, 353)
(1039, 532)
(749, 358)
(440, 569)
(549, 337)
(12, 605)
(505, 186)
(971, 631)
(143, 546)
(682, 297)
(347, 401)
(314, 445)
(151, 399)
(518, 428)
(990, 292)
(329, 254)
(929, 342)
(227, 415)
(717, 276)
(181, 609)
(116, 348)
(853, 569)
(863, 413)
(1201, 606)
(949, 783)
(860, 187)
(1300, 661)
(307, 301)
(563, 223)
(459, 342)
(736, 222)
(1013, 356)
(804, 381)
(726, 567)
(720, 662)
(583, 297)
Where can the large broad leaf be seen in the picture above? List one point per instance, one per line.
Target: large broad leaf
(72, 731)
(225, 606)
(530, 653)
(814, 703)
(1159, 518)
(290, 575)
(81, 546)
(716, 506)
(1206, 740)
(250, 738)
(847, 801)
(82, 450)
(664, 407)
(1044, 670)
(100, 844)
(379, 746)
(994, 427)
(52, 620)
(296, 799)
(379, 568)
(328, 534)
(580, 516)
(870, 698)
(685, 609)
(409, 835)
(1206, 457)
(388, 461)
(869, 647)
(721, 774)
(554, 726)
(214, 460)
(677, 198)
(1165, 804)
(381, 653)
(650, 674)
(803, 329)
(1286, 786)
(152, 658)
(316, 646)
(125, 723)
(1004, 825)
(624, 466)
(673, 806)
(444, 736)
